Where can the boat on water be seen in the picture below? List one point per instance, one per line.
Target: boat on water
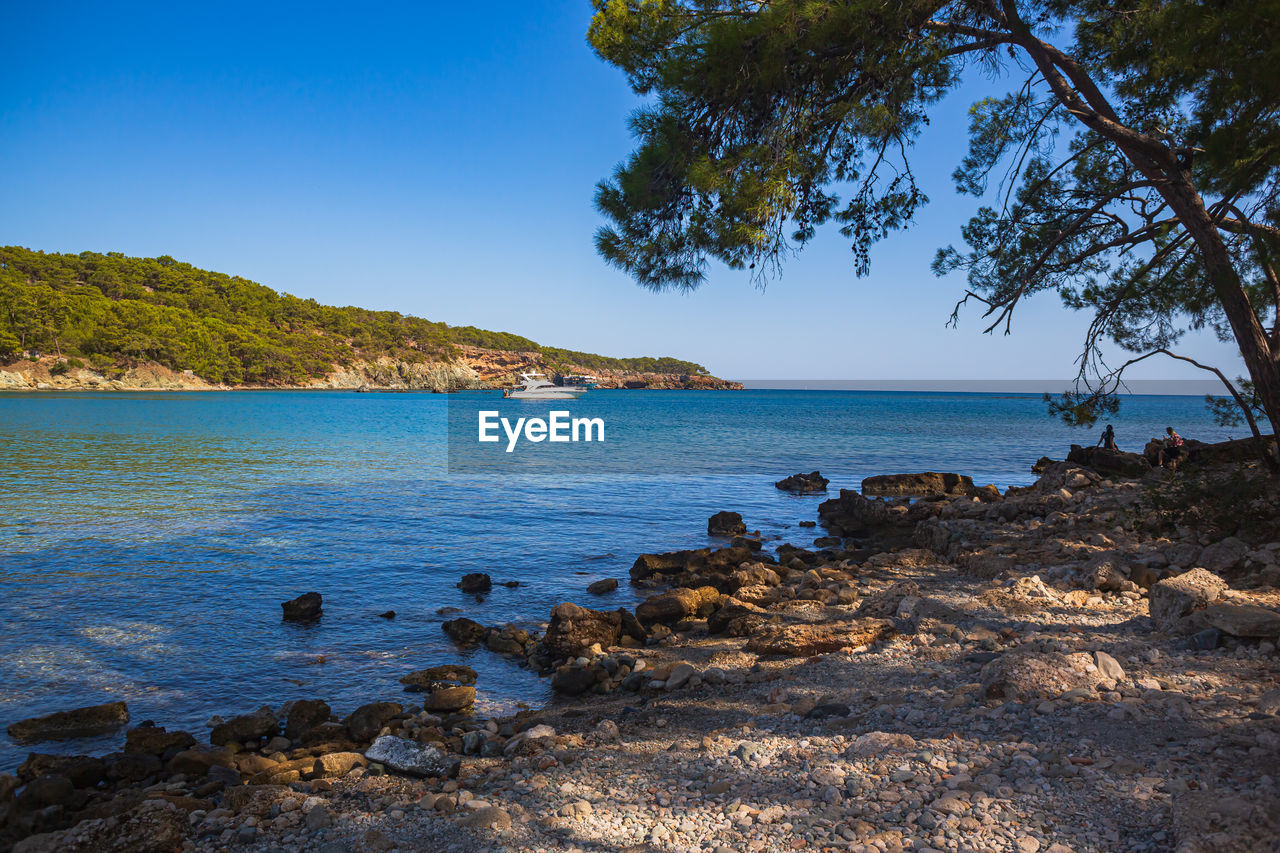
(536, 387)
(580, 380)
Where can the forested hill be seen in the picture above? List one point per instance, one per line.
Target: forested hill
(113, 310)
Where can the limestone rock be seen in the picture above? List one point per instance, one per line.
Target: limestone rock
(1173, 599)
(152, 827)
(1024, 675)
(602, 586)
(1243, 620)
(475, 582)
(62, 725)
(303, 716)
(805, 640)
(926, 484)
(426, 678)
(573, 629)
(449, 699)
(411, 757)
(669, 607)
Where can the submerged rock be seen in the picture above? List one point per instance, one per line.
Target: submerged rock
(602, 586)
(803, 483)
(411, 757)
(726, 524)
(475, 582)
(307, 607)
(63, 725)
(464, 631)
(425, 678)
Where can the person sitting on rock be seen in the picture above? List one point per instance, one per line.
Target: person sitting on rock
(1172, 448)
(1108, 440)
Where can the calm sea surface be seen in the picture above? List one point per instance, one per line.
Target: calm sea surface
(147, 540)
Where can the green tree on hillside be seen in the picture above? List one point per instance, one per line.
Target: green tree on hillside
(1135, 155)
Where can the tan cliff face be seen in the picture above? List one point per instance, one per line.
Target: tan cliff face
(473, 368)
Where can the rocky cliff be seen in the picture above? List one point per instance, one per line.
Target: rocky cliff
(473, 368)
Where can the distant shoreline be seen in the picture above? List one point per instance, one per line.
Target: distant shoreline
(1162, 387)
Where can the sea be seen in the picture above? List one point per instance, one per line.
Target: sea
(148, 539)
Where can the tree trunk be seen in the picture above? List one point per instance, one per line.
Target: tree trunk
(1262, 362)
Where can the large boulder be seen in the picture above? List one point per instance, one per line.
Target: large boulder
(1225, 555)
(1112, 463)
(425, 679)
(365, 722)
(667, 608)
(246, 727)
(726, 524)
(155, 740)
(852, 512)
(449, 698)
(1027, 676)
(1175, 599)
(573, 630)
(304, 715)
(307, 607)
(736, 618)
(803, 483)
(671, 563)
(411, 757)
(922, 485)
(475, 582)
(1243, 620)
(464, 631)
(805, 640)
(63, 725)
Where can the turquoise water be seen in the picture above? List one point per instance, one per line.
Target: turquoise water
(146, 540)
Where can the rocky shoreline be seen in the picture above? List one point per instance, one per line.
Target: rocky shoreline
(1056, 668)
(473, 369)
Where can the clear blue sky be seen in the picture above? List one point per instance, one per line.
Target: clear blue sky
(440, 160)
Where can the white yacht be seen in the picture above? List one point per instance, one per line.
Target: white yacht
(536, 387)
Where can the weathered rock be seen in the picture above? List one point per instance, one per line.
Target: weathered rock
(853, 512)
(449, 699)
(464, 631)
(736, 618)
(197, 760)
(573, 629)
(925, 484)
(667, 608)
(1025, 675)
(726, 524)
(1107, 575)
(673, 562)
(427, 678)
(806, 640)
(475, 582)
(1108, 666)
(154, 740)
(1223, 556)
(803, 483)
(885, 602)
(307, 607)
(411, 757)
(304, 715)
(365, 722)
(881, 743)
(335, 764)
(152, 827)
(602, 586)
(1243, 620)
(1173, 599)
(488, 817)
(573, 680)
(63, 725)
(84, 771)
(1111, 463)
(246, 727)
